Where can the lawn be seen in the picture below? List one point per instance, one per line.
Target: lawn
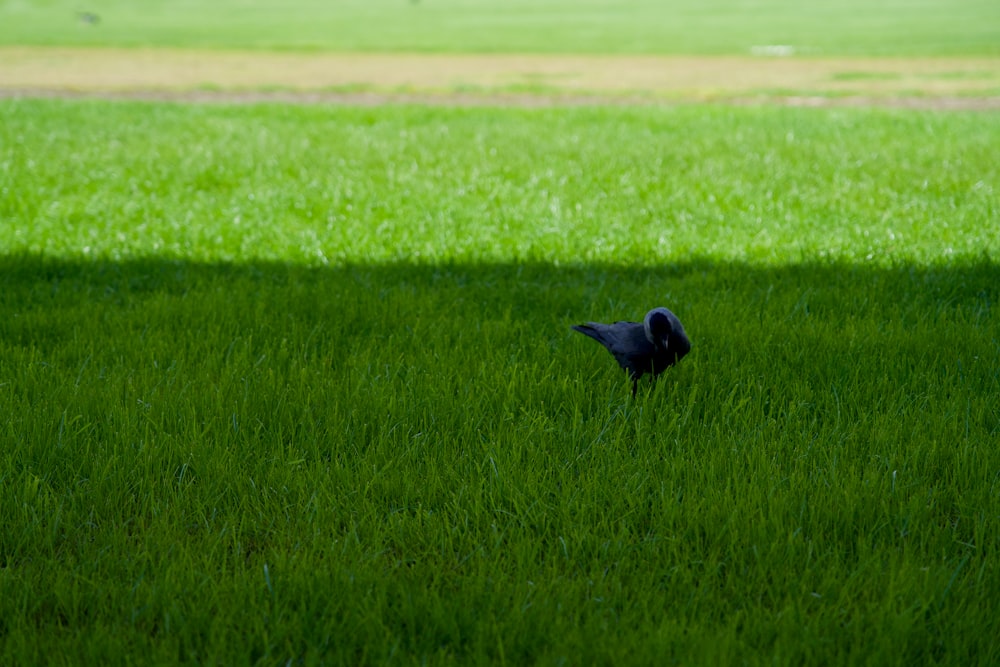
(814, 27)
(293, 385)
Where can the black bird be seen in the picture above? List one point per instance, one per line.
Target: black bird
(651, 347)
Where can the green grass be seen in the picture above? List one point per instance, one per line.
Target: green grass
(816, 27)
(297, 384)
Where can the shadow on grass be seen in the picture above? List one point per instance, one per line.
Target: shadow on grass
(459, 316)
(706, 294)
(408, 394)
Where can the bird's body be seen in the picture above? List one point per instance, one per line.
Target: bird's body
(650, 346)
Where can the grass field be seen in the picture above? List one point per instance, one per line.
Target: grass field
(287, 385)
(296, 385)
(814, 27)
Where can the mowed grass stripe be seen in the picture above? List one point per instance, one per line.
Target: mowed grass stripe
(344, 419)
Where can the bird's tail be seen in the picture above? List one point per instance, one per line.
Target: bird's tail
(589, 330)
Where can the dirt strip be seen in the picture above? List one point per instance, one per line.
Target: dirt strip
(470, 79)
(505, 100)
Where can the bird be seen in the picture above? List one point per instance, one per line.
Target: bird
(650, 347)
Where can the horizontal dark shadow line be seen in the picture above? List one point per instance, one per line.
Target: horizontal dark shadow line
(37, 281)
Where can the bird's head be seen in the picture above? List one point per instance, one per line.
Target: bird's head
(659, 325)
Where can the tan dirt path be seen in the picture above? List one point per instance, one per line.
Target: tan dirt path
(186, 75)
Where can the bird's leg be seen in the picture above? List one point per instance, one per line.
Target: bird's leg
(635, 386)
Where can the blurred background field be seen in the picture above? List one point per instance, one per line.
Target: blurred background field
(660, 50)
(812, 27)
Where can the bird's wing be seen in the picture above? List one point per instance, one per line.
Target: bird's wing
(625, 340)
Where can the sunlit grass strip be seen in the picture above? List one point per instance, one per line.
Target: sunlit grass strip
(335, 186)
